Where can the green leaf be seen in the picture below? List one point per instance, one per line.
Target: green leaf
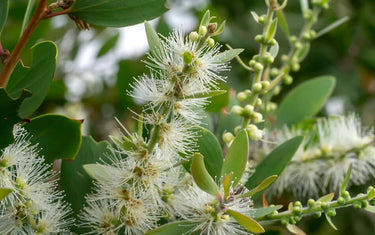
(201, 176)
(4, 7)
(303, 52)
(305, 100)
(153, 40)
(274, 50)
(174, 228)
(271, 31)
(4, 192)
(263, 211)
(9, 115)
(330, 221)
(210, 148)
(255, 16)
(275, 162)
(326, 198)
(117, 13)
(265, 183)
(247, 222)
(304, 5)
(332, 26)
(236, 158)
(346, 180)
(218, 102)
(108, 45)
(295, 230)
(371, 194)
(74, 180)
(370, 209)
(98, 171)
(283, 23)
(27, 16)
(226, 56)
(205, 19)
(36, 79)
(57, 136)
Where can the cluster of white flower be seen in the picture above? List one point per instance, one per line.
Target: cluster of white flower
(144, 177)
(33, 206)
(323, 158)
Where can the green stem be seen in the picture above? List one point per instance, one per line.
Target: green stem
(11, 62)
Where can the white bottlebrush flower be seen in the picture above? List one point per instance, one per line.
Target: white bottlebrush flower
(191, 109)
(323, 158)
(33, 206)
(199, 207)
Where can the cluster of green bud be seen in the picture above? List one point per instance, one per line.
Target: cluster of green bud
(321, 3)
(309, 35)
(248, 112)
(254, 132)
(262, 40)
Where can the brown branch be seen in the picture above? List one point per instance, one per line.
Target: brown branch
(11, 62)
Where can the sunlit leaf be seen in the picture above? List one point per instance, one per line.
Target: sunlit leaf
(326, 198)
(247, 222)
(305, 100)
(265, 183)
(117, 13)
(295, 230)
(226, 56)
(174, 228)
(201, 176)
(263, 211)
(236, 158)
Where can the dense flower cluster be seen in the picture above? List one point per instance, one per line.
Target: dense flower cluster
(33, 206)
(322, 160)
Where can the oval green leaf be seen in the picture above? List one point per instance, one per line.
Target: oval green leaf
(326, 198)
(295, 230)
(175, 228)
(201, 176)
(74, 180)
(117, 13)
(9, 115)
(247, 222)
(98, 171)
(4, 7)
(272, 30)
(305, 100)
(226, 56)
(36, 79)
(153, 40)
(236, 158)
(57, 136)
(275, 162)
(265, 183)
(263, 211)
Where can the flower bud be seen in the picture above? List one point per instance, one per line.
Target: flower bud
(202, 30)
(288, 79)
(357, 205)
(242, 96)
(193, 36)
(311, 202)
(269, 59)
(284, 58)
(295, 67)
(331, 212)
(237, 110)
(276, 90)
(312, 34)
(324, 205)
(212, 27)
(228, 137)
(248, 109)
(257, 117)
(262, 19)
(298, 45)
(259, 102)
(252, 63)
(257, 87)
(274, 72)
(210, 42)
(259, 38)
(188, 58)
(341, 201)
(293, 39)
(258, 67)
(253, 132)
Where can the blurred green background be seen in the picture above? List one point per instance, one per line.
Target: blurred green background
(95, 69)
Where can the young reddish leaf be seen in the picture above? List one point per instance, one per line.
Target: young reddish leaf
(326, 198)
(226, 184)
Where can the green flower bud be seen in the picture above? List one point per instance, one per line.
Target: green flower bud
(258, 67)
(357, 205)
(258, 103)
(188, 58)
(317, 214)
(237, 129)
(297, 218)
(193, 36)
(274, 72)
(253, 132)
(257, 87)
(262, 19)
(295, 67)
(288, 79)
(311, 202)
(210, 42)
(306, 36)
(285, 221)
(271, 106)
(257, 117)
(252, 63)
(272, 42)
(228, 137)
(248, 92)
(237, 110)
(296, 210)
(298, 203)
(341, 201)
(364, 203)
(298, 45)
(284, 58)
(346, 195)
(324, 205)
(325, 6)
(248, 109)
(242, 96)
(307, 14)
(259, 38)
(202, 30)
(269, 59)
(293, 39)
(276, 90)
(312, 34)
(331, 212)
